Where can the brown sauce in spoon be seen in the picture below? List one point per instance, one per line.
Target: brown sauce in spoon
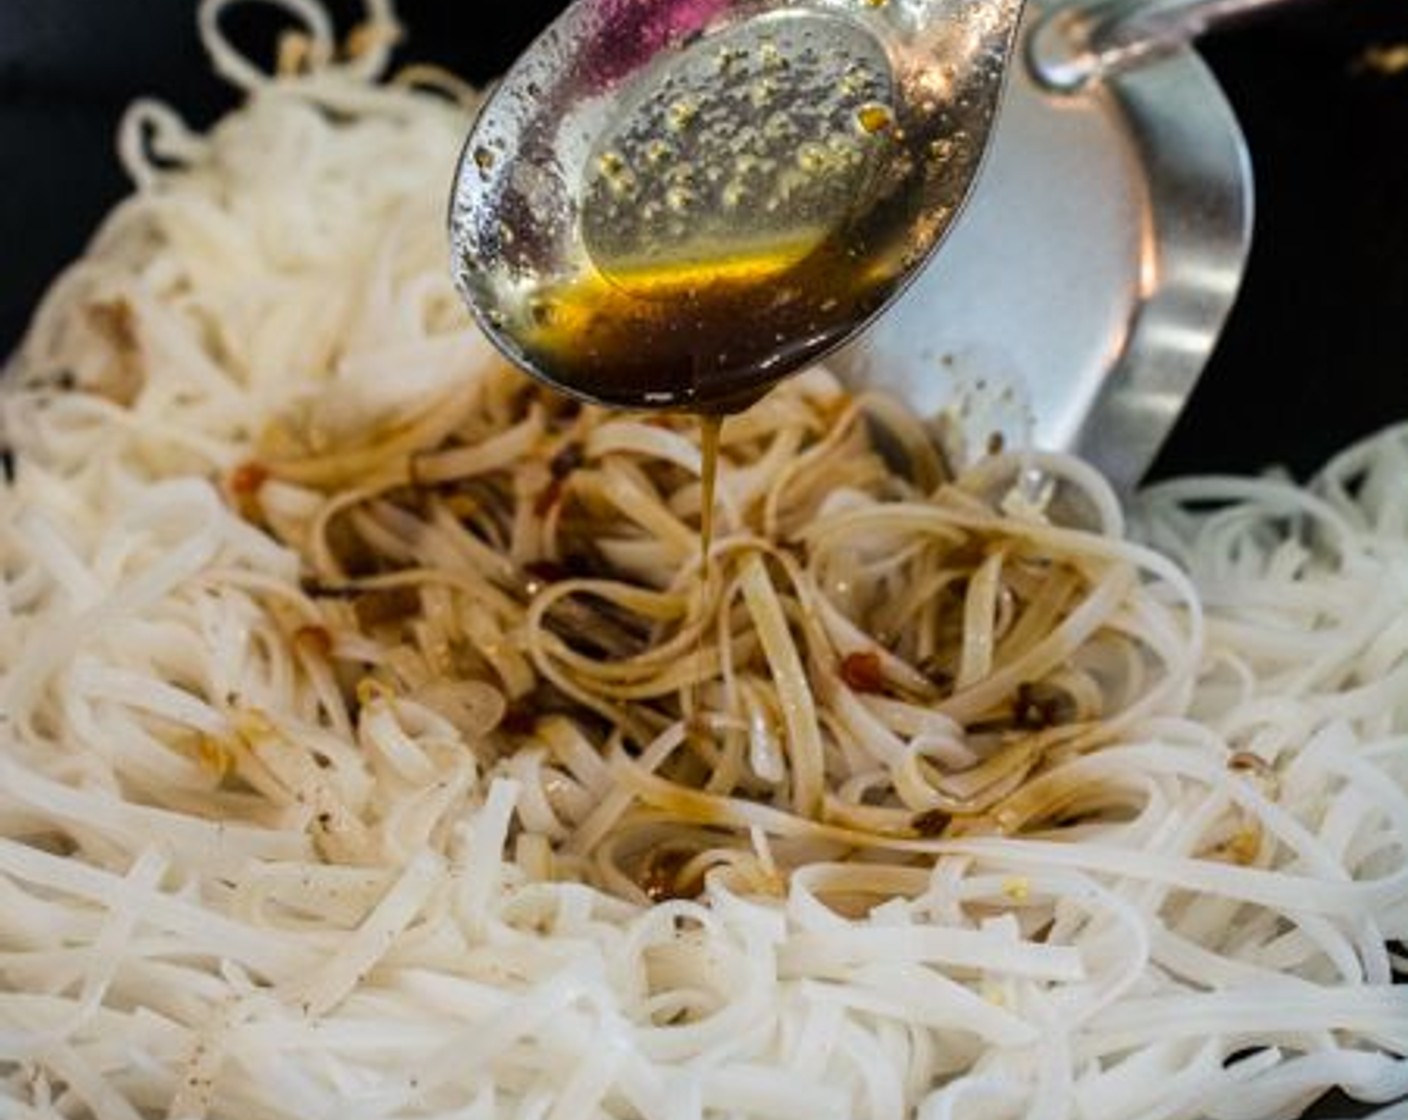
(709, 335)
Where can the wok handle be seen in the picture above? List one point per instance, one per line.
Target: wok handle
(1075, 44)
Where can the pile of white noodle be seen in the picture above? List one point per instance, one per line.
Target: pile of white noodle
(371, 747)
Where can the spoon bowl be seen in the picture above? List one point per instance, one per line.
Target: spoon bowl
(1076, 305)
(677, 204)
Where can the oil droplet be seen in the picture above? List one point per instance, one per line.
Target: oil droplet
(657, 152)
(679, 199)
(855, 79)
(543, 312)
(875, 118)
(941, 149)
(682, 114)
(812, 158)
(729, 59)
(770, 57)
(876, 3)
(484, 159)
(617, 174)
(763, 91)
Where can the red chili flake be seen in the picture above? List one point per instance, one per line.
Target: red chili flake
(316, 640)
(863, 672)
(245, 480)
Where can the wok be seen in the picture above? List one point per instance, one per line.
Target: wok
(1315, 353)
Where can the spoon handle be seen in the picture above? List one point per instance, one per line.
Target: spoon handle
(1073, 45)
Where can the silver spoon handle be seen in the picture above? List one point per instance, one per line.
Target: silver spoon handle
(1073, 45)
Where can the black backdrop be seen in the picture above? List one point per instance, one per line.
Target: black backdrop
(1315, 355)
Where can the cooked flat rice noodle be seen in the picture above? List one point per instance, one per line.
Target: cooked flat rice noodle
(374, 744)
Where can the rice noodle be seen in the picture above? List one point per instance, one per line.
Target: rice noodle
(373, 743)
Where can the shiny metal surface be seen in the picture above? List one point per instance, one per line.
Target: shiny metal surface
(1079, 43)
(1076, 302)
(819, 149)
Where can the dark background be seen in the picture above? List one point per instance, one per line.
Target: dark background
(1316, 353)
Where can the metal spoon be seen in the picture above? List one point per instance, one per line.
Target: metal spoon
(678, 203)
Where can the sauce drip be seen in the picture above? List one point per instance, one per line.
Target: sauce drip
(710, 431)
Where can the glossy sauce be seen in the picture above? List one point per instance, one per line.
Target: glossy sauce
(709, 334)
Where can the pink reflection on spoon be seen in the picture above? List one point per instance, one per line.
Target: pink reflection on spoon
(631, 32)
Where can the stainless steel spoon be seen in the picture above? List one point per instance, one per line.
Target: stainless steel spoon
(676, 203)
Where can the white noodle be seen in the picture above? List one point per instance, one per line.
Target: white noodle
(323, 792)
